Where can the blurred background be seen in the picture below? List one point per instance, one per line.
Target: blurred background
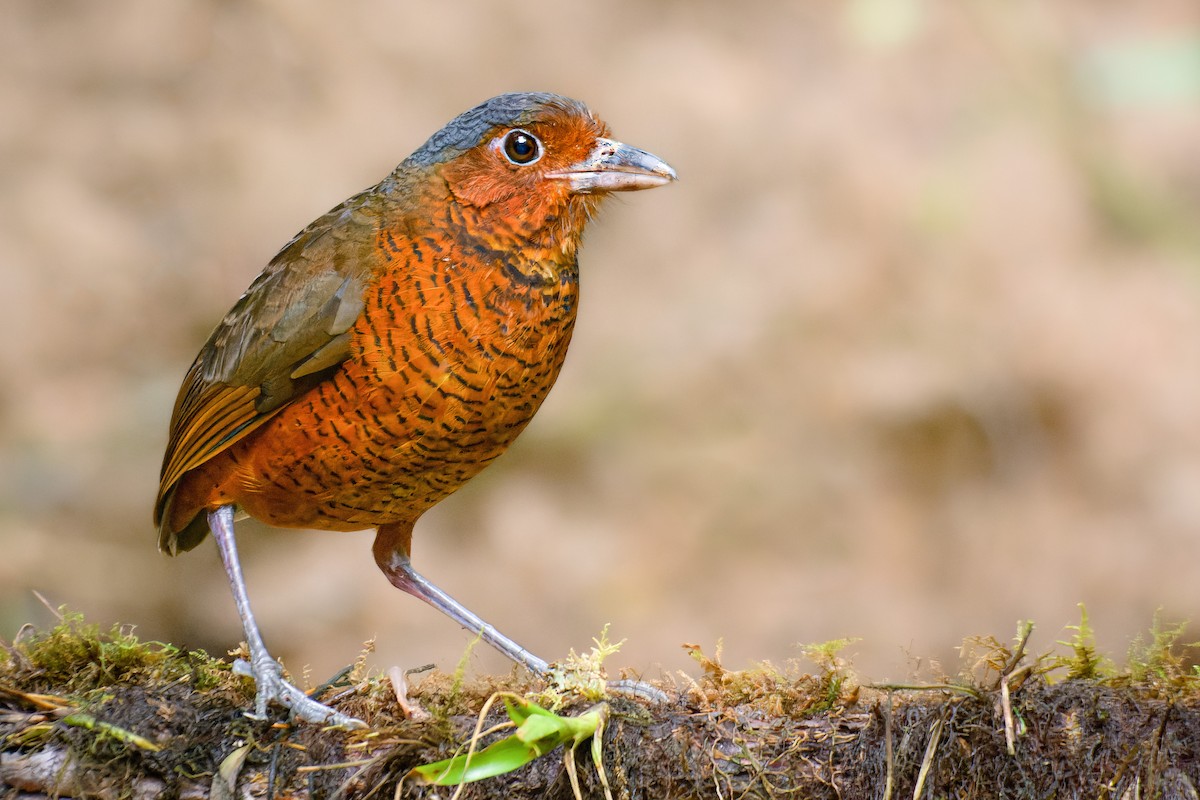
(911, 351)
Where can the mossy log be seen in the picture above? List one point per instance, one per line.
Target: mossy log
(84, 714)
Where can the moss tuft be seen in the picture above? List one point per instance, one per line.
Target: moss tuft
(76, 657)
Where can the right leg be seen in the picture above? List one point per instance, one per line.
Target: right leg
(268, 675)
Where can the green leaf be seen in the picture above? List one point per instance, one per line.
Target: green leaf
(506, 755)
(538, 731)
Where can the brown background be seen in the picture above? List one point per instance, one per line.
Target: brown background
(911, 352)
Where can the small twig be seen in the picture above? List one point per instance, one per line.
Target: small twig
(340, 765)
(926, 687)
(1010, 736)
(366, 765)
(412, 710)
(891, 761)
(334, 681)
(1024, 631)
(273, 770)
(1151, 771)
(42, 598)
(935, 734)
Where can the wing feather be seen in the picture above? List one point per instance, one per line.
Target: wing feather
(287, 333)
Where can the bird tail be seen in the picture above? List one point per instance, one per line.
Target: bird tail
(172, 541)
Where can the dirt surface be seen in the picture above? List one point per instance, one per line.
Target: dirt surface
(86, 714)
(910, 352)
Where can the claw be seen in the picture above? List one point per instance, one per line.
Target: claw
(638, 690)
(270, 687)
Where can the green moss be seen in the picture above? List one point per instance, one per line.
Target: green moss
(835, 682)
(125, 707)
(1161, 659)
(789, 690)
(77, 658)
(1085, 662)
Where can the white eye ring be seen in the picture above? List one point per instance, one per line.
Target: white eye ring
(521, 147)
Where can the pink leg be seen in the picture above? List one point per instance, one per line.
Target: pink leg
(400, 572)
(391, 547)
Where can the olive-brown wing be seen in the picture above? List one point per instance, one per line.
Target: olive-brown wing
(288, 332)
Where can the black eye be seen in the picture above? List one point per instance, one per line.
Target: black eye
(522, 147)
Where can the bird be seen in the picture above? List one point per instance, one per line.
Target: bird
(393, 349)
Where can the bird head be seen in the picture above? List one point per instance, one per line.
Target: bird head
(540, 163)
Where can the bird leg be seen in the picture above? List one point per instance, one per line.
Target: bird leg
(400, 572)
(390, 553)
(266, 671)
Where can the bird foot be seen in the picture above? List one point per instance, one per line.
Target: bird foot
(638, 690)
(271, 687)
